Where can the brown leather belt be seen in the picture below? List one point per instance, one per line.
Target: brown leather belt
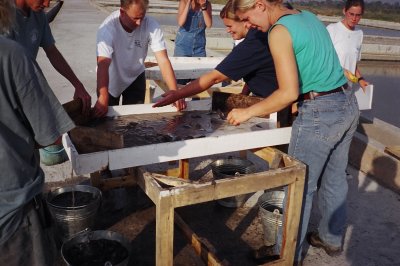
(312, 94)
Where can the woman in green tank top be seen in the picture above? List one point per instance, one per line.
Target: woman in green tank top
(308, 71)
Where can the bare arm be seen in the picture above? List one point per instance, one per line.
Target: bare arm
(101, 107)
(168, 75)
(61, 65)
(280, 44)
(199, 85)
(183, 10)
(207, 14)
(363, 83)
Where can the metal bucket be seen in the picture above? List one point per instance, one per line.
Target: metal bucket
(270, 211)
(96, 248)
(230, 167)
(70, 220)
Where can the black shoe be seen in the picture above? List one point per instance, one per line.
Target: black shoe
(315, 241)
(264, 254)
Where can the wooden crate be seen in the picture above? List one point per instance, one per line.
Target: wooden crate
(284, 171)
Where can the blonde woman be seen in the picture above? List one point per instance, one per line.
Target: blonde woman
(250, 60)
(308, 70)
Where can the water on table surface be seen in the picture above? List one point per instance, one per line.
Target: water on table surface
(145, 129)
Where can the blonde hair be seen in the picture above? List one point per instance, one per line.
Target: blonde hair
(228, 12)
(7, 15)
(244, 5)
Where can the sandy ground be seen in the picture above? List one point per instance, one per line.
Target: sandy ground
(372, 236)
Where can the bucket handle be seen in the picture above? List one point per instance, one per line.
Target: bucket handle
(54, 152)
(86, 231)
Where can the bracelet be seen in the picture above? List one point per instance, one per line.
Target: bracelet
(360, 78)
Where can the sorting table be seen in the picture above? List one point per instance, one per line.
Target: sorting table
(256, 135)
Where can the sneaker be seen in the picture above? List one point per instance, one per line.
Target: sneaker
(264, 254)
(315, 241)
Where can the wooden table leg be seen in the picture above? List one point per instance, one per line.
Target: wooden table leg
(164, 232)
(292, 218)
(148, 98)
(184, 168)
(95, 179)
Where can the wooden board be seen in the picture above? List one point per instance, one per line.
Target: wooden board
(258, 132)
(89, 140)
(394, 151)
(74, 110)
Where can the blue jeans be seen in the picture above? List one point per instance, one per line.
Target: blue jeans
(190, 39)
(321, 137)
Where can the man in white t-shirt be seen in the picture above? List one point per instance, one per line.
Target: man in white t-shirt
(122, 43)
(347, 39)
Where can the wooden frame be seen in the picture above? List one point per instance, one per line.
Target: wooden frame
(258, 132)
(287, 171)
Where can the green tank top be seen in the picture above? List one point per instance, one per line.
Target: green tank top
(318, 65)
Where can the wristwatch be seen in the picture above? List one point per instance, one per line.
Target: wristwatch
(204, 7)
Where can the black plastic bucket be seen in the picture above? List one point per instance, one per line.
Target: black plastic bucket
(100, 247)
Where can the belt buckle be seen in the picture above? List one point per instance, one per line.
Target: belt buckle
(311, 93)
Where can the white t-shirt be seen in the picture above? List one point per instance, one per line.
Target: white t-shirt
(236, 42)
(347, 44)
(127, 50)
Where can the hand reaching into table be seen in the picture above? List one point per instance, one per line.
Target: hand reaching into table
(180, 104)
(171, 97)
(237, 116)
(100, 109)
